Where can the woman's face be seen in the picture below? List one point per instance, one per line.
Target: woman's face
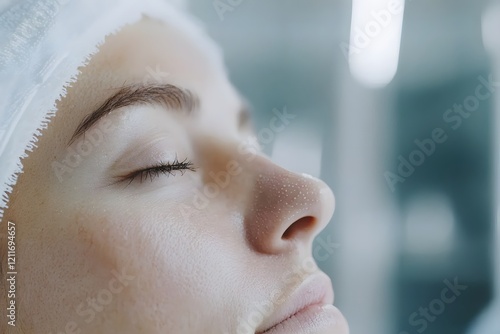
(157, 214)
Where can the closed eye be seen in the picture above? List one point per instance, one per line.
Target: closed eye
(157, 170)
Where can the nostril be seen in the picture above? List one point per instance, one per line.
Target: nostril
(303, 225)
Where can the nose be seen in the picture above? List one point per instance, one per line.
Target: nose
(286, 210)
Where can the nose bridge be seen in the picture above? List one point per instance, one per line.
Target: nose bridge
(281, 209)
(228, 165)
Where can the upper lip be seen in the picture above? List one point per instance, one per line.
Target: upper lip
(314, 290)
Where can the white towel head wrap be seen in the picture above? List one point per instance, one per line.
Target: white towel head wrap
(42, 45)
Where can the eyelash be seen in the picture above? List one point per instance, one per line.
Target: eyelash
(165, 168)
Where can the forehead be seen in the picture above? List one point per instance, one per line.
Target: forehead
(155, 52)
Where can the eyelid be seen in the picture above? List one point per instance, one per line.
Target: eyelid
(145, 154)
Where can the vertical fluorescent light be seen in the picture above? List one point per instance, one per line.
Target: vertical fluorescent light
(490, 29)
(376, 28)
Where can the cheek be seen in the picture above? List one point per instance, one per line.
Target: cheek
(154, 242)
(184, 266)
(176, 268)
(62, 263)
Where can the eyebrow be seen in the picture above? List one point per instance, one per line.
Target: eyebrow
(167, 95)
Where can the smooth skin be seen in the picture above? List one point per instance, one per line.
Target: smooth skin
(158, 256)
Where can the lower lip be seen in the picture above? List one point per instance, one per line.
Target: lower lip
(315, 319)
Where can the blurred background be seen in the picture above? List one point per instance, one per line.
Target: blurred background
(394, 107)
